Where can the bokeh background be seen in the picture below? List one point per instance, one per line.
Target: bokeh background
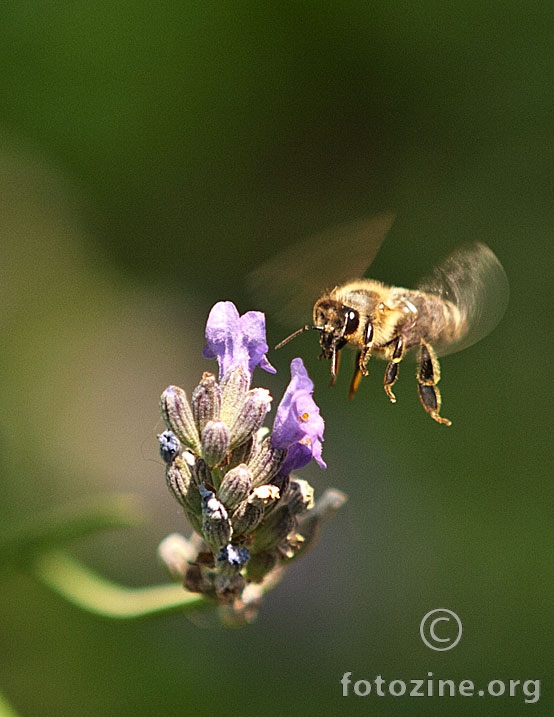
(151, 154)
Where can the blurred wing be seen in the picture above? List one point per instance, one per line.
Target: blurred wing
(289, 284)
(473, 279)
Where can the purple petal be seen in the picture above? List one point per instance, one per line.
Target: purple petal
(236, 340)
(221, 329)
(252, 325)
(298, 456)
(298, 425)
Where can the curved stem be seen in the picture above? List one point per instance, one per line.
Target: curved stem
(20, 545)
(6, 710)
(89, 591)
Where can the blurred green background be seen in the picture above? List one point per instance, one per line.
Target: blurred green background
(153, 153)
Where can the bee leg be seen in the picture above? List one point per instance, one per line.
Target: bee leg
(356, 378)
(428, 376)
(391, 372)
(362, 357)
(335, 363)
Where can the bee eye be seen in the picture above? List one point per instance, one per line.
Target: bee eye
(352, 322)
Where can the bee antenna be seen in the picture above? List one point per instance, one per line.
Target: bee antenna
(297, 333)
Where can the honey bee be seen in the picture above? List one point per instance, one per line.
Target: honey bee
(457, 305)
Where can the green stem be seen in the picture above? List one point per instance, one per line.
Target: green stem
(20, 545)
(6, 710)
(89, 591)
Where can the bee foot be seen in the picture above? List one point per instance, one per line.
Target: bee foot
(439, 419)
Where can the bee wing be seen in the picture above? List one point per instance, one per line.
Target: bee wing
(290, 283)
(473, 279)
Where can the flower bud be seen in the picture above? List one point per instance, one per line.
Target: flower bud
(215, 442)
(250, 416)
(234, 386)
(211, 506)
(242, 453)
(273, 530)
(179, 481)
(266, 462)
(177, 414)
(170, 446)
(216, 526)
(235, 486)
(206, 401)
(232, 476)
(200, 472)
(216, 532)
(247, 516)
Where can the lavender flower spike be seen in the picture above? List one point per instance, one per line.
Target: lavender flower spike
(236, 340)
(298, 425)
(232, 476)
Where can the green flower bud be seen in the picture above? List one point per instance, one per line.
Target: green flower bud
(215, 442)
(234, 386)
(177, 414)
(242, 453)
(235, 486)
(206, 401)
(250, 416)
(179, 481)
(246, 517)
(266, 462)
(273, 530)
(216, 532)
(200, 472)
(216, 526)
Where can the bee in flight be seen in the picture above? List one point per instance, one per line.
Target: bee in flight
(460, 302)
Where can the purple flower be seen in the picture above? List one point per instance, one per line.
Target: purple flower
(298, 426)
(236, 340)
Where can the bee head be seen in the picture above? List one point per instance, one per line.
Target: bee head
(336, 322)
